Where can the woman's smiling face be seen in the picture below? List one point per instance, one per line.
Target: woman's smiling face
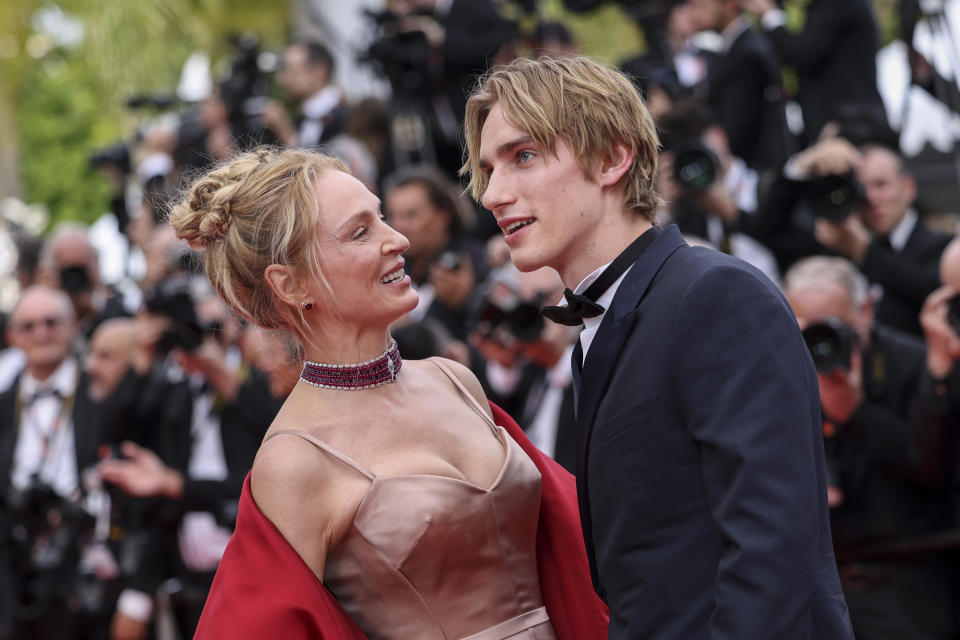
(359, 254)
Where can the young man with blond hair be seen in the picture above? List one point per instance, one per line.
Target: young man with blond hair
(700, 464)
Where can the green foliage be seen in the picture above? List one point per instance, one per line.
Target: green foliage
(59, 118)
(606, 32)
(70, 101)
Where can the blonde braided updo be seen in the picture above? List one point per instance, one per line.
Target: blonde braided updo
(255, 210)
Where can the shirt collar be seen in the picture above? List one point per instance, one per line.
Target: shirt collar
(901, 233)
(733, 31)
(322, 102)
(63, 380)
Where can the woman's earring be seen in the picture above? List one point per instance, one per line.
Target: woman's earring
(307, 306)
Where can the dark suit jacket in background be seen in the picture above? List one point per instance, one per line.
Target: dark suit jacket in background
(835, 59)
(701, 470)
(907, 276)
(744, 94)
(895, 477)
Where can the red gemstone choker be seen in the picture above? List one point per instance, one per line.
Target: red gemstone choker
(351, 377)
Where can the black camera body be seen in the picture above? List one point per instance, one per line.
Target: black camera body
(831, 344)
(47, 534)
(502, 311)
(75, 279)
(172, 298)
(400, 55)
(833, 197)
(695, 166)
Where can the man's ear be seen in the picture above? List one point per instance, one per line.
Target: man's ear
(615, 165)
(284, 285)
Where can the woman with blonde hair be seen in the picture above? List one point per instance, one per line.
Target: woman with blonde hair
(391, 483)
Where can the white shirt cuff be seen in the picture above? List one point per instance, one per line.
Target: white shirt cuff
(135, 604)
(773, 19)
(792, 172)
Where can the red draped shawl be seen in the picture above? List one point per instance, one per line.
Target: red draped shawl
(263, 589)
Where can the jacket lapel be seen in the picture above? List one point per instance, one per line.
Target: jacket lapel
(617, 325)
(601, 359)
(8, 434)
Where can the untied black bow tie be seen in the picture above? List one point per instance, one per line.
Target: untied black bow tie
(39, 394)
(584, 305)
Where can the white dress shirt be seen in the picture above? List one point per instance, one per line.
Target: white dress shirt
(45, 441)
(592, 325)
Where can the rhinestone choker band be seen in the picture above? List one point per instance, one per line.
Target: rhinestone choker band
(352, 377)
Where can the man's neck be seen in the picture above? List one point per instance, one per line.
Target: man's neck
(612, 241)
(41, 374)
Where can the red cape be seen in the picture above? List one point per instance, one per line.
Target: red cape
(264, 589)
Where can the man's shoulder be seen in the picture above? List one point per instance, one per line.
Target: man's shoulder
(925, 237)
(707, 263)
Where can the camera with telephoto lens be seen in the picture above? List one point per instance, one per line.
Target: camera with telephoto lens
(75, 279)
(172, 298)
(48, 533)
(695, 166)
(833, 197)
(505, 317)
(831, 344)
(401, 55)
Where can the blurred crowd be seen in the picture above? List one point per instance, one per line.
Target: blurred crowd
(131, 407)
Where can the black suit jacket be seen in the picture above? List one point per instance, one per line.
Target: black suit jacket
(745, 97)
(908, 276)
(243, 424)
(701, 469)
(835, 59)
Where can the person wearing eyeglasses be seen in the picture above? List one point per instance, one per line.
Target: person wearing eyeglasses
(46, 441)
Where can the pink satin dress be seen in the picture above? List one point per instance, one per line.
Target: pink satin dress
(431, 557)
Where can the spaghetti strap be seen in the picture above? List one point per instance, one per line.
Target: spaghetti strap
(470, 398)
(342, 457)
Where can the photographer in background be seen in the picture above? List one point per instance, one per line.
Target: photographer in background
(207, 415)
(743, 80)
(69, 261)
(857, 202)
(709, 193)
(940, 318)
(51, 584)
(306, 78)
(444, 262)
(834, 55)
(431, 51)
(890, 476)
(527, 358)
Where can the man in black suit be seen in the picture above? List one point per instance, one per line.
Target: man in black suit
(50, 430)
(206, 418)
(700, 466)
(743, 81)
(884, 235)
(307, 79)
(834, 55)
(891, 487)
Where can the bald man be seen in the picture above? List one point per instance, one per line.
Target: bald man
(109, 356)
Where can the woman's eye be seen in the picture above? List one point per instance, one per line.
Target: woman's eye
(362, 231)
(524, 156)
